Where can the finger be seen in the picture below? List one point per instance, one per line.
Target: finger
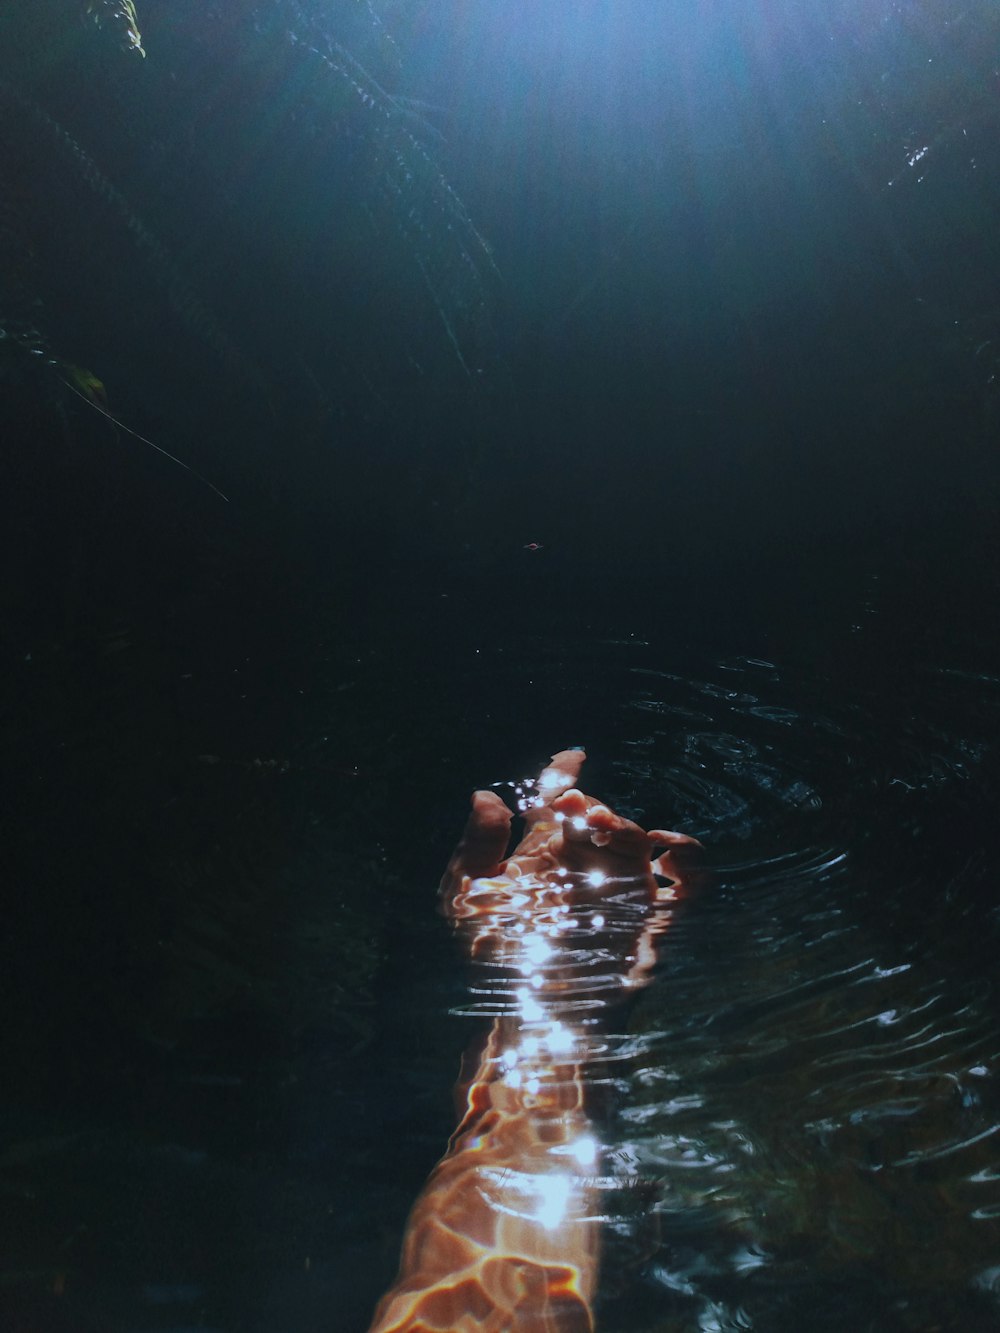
(661, 837)
(683, 854)
(589, 824)
(483, 844)
(560, 773)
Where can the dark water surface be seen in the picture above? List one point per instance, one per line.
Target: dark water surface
(238, 1006)
(628, 382)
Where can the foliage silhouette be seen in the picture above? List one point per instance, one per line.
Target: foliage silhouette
(306, 84)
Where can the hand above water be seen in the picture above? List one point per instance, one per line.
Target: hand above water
(566, 829)
(506, 1233)
(576, 852)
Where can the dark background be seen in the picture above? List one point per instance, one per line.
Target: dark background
(700, 300)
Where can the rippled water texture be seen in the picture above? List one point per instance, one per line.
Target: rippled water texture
(804, 1126)
(813, 1105)
(800, 1113)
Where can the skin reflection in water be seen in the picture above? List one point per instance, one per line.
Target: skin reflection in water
(504, 1237)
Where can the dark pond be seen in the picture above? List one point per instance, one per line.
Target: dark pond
(616, 375)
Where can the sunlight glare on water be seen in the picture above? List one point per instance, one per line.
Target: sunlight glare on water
(807, 1094)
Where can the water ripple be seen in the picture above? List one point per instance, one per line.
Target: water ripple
(815, 1075)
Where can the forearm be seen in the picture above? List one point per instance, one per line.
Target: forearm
(506, 1220)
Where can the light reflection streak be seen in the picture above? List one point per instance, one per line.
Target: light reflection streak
(509, 1218)
(552, 963)
(926, 1155)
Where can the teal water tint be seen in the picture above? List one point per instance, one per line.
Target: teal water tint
(811, 1104)
(250, 1037)
(601, 374)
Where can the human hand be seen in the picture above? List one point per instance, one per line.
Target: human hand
(576, 854)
